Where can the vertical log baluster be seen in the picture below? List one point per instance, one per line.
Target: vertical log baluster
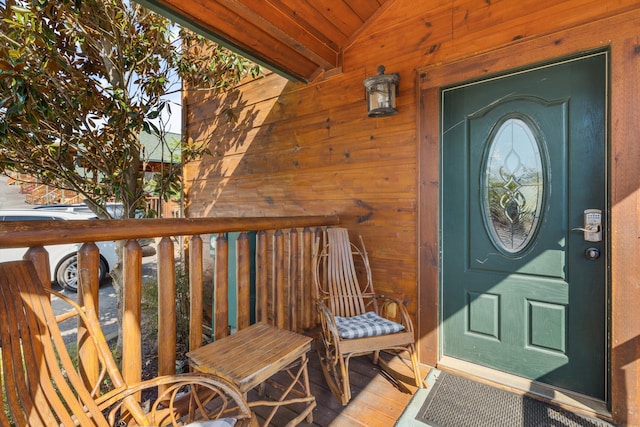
(262, 292)
(278, 279)
(166, 309)
(88, 296)
(243, 280)
(294, 281)
(308, 303)
(132, 295)
(195, 292)
(221, 288)
(39, 256)
(318, 237)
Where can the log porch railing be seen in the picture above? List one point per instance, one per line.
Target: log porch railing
(282, 279)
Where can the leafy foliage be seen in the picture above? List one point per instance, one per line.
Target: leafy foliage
(79, 81)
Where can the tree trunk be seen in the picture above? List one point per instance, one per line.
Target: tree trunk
(117, 281)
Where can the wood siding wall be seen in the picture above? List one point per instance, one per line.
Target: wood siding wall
(301, 149)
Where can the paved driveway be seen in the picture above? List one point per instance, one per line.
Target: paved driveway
(108, 312)
(108, 303)
(10, 197)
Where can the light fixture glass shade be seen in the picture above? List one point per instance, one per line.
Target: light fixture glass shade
(381, 91)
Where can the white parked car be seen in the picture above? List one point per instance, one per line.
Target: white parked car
(115, 209)
(62, 258)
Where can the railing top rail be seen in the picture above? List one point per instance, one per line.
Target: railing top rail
(15, 234)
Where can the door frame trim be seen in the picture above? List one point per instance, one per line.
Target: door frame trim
(429, 82)
(619, 33)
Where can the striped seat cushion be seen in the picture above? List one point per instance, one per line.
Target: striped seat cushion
(364, 325)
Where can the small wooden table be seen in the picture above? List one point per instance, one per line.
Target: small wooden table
(252, 356)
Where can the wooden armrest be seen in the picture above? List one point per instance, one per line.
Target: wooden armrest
(402, 316)
(185, 395)
(328, 322)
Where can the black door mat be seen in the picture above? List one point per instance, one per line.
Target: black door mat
(454, 401)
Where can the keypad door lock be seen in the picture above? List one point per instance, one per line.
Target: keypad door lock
(592, 225)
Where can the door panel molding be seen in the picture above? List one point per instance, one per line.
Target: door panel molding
(514, 179)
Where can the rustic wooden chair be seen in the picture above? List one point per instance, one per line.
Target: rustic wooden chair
(41, 386)
(355, 321)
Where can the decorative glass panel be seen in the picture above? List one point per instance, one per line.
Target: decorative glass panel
(513, 186)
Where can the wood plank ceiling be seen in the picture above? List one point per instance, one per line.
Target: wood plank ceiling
(299, 38)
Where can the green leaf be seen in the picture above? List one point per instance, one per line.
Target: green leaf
(66, 99)
(153, 114)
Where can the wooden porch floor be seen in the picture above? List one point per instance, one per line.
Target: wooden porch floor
(376, 401)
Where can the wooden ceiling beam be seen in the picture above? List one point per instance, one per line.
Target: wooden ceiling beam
(287, 31)
(300, 39)
(306, 13)
(363, 8)
(232, 30)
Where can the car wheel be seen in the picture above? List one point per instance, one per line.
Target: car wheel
(67, 273)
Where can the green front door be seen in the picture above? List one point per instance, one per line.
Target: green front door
(523, 156)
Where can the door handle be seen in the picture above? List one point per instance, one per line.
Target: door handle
(589, 229)
(592, 228)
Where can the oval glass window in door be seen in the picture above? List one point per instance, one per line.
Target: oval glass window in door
(513, 187)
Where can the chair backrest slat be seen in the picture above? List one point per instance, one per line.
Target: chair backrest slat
(43, 383)
(20, 356)
(42, 387)
(340, 287)
(39, 380)
(12, 378)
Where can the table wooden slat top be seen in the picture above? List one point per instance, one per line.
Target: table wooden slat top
(252, 355)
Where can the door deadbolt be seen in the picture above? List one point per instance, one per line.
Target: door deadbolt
(592, 254)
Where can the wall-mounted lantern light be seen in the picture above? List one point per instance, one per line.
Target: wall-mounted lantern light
(382, 91)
